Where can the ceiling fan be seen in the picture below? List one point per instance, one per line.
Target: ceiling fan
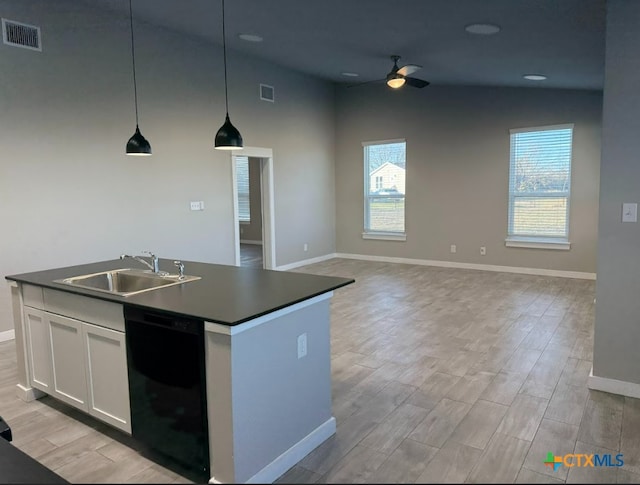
(399, 76)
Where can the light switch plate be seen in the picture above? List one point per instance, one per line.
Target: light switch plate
(302, 345)
(629, 212)
(197, 205)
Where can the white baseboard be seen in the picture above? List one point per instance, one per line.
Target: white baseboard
(297, 452)
(304, 262)
(7, 335)
(614, 386)
(482, 267)
(250, 241)
(444, 264)
(28, 394)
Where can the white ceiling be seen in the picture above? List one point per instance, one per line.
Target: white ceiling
(563, 39)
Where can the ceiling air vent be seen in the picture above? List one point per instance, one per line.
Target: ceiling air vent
(21, 35)
(266, 93)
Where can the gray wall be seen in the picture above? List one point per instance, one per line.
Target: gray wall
(458, 169)
(69, 194)
(617, 327)
(253, 230)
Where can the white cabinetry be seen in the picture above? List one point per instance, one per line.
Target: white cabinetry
(67, 361)
(38, 348)
(76, 352)
(106, 362)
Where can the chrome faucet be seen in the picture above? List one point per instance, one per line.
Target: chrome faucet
(180, 267)
(153, 266)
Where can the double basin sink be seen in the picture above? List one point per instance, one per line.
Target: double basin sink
(127, 281)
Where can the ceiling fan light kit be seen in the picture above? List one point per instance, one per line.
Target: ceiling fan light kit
(399, 76)
(395, 81)
(228, 137)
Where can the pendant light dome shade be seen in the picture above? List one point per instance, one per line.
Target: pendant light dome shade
(228, 137)
(138, 144)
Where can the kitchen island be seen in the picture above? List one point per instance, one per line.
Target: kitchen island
(266, 355)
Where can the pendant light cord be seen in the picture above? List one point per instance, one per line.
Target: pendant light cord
(224, 50)
(133, 57)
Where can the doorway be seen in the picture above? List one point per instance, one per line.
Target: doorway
(252, 177)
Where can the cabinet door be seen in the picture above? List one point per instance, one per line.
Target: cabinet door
(38, 348)
(68, 361)
(108, 381)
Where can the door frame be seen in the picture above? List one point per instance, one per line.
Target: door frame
(268, 207)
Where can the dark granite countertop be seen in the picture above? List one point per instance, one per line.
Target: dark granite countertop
(226, 294)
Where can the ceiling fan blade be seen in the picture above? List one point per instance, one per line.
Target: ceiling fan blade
(415, 82)
(365, 82)
(408, 69)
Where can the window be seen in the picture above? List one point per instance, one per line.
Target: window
(384, 189)
(242, 182)
(539, 186)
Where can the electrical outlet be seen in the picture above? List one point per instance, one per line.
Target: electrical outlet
(483, 251)
(302, 345)
(453, 248)
(305, 247)
(197, 205)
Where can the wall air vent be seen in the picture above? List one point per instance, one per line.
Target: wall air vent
(21, 35)
(266, 93)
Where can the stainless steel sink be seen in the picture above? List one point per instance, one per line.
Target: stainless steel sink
(125, 282)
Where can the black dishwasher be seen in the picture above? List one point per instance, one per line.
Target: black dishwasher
(165, 359)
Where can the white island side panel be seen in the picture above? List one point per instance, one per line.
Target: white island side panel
(267, 408)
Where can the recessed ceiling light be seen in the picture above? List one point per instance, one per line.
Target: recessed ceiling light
(482, 29)
(251, 37)
(535, 77)
(350, 74)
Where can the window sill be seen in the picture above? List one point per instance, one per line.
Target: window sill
(538, 243)
(385, 236)
(245, 223)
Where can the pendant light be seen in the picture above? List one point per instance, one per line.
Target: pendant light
(228, 137)
(137, 144)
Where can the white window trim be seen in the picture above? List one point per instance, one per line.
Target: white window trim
(385, 236)
(537, 243)
(384, 142)
(564, 126)
(379, 235)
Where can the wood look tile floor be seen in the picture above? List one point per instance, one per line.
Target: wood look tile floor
(251, 255)
(438, 375)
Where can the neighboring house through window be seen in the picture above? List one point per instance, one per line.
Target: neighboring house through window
(242, 183)
(540, 187)
(384, 192)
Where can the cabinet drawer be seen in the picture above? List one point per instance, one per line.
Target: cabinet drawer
(32, 296)
(99, 312)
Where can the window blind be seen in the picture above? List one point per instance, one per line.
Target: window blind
(540, 182)
(242, 182)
